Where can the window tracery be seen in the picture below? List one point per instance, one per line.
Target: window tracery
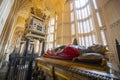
(84, 22)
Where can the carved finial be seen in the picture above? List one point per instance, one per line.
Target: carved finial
(32, 10)
(75, 42)
(116, 41)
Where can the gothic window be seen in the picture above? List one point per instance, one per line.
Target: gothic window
(73, 29)
(71, 6)
(72, 16)
(100, 24)
(84, 22)
(51, 32)
(103, 37)
(99, 19)
(95, 4)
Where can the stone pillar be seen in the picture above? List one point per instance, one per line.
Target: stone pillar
(36, 46)
(27, 46)
(40, 48)
(43, 47)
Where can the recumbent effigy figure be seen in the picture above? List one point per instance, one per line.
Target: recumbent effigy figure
(93, 54)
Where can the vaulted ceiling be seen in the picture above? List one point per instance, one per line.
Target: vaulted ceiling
(42, 7)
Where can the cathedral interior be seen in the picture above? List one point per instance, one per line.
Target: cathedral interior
(59, 39)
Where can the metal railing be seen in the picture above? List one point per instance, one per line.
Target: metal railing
(20, 67)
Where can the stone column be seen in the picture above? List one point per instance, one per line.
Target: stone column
(40, 48)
